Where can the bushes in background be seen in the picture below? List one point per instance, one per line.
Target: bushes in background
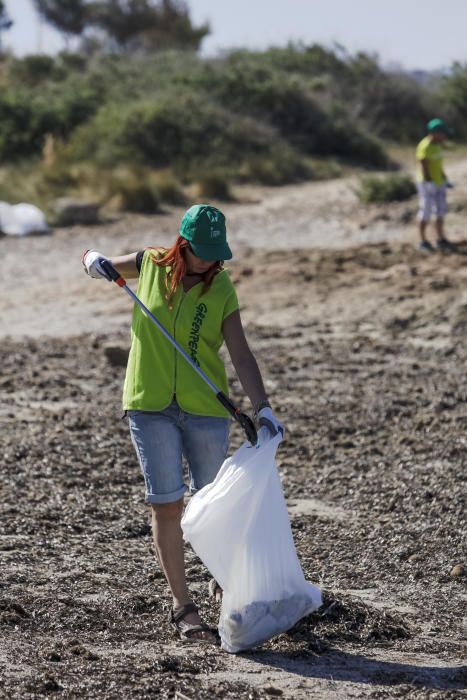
(278, 116)
(176, 110)
(380, 189)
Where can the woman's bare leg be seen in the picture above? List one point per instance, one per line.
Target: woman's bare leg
(168, 541)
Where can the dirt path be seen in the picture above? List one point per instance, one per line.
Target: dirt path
(363, 350)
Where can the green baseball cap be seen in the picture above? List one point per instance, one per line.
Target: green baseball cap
(204, 226)
(439, 125)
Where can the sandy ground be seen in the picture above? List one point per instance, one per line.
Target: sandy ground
(361, 340)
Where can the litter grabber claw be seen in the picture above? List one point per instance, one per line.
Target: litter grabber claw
(242, 418)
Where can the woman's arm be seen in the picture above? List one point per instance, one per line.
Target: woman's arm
(248, 372)
(243, 359)
(126, 265)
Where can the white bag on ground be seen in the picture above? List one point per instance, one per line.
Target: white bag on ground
(21, 219)
(240, 529)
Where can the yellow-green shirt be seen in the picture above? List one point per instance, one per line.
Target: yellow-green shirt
(433, 154)
(156, 372)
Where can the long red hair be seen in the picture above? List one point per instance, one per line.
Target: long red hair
(175, 258)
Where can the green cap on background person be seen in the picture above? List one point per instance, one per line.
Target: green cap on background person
(204, 227)
(439, 125)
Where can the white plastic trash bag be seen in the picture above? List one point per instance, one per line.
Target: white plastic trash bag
(21, 219)
(240, 529)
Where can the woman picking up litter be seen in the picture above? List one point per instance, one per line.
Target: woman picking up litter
(172, 412)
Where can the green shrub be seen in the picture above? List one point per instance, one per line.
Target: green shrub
(31, 70)
(168, 187)
(140, 189)
(454, 99)
(24, 122)
(186, 133)
(26, 119)
(213, 185)
(324, 169)
(131, 190)
(18, 185)
(360, 149)
(29, 182)
(188, 130)
(281, 165)
(388, 188)
(175, 129)
(287, 103)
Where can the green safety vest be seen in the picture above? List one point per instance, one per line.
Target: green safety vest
(156, 372)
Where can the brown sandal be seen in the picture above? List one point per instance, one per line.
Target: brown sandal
(187, 631)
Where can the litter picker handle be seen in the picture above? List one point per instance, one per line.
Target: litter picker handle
(242, 418)
(112, 272)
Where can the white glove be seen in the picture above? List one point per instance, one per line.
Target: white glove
(267, 420)
(92, 265)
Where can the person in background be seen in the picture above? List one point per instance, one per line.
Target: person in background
(432, 184)
(171, 412)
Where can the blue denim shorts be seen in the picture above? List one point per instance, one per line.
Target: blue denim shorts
(161, 440)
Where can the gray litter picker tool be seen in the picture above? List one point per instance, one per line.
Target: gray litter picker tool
(242, 418)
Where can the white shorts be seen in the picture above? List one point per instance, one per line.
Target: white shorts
(432, 198)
